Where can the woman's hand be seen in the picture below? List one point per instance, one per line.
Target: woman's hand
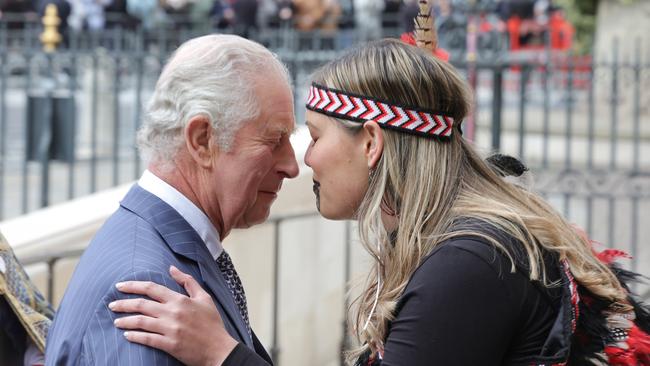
(188, 328)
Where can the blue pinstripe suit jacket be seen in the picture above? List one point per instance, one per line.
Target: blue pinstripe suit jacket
(138, 242)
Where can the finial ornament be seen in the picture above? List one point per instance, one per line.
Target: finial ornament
(50, 36)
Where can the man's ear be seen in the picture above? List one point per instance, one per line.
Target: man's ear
(198, 140)
(373, 143)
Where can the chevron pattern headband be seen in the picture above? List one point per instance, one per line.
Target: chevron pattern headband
(338, 104)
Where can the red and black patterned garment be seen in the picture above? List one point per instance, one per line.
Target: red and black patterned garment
(463, 306)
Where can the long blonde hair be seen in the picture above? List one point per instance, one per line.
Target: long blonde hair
(431, 185)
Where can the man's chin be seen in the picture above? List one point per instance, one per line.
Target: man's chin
(253, 218)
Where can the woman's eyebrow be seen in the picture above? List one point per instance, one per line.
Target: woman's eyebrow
(310, 125)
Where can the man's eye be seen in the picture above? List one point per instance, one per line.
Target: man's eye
(276, 142)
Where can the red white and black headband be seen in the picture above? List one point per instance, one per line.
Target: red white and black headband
(357, 108)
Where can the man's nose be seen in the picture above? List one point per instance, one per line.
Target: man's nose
(288, 165)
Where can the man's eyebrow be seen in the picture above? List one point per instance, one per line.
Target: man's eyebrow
(288, 131)
(283, 130)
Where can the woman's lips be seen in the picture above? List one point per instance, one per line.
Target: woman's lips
(316, 189)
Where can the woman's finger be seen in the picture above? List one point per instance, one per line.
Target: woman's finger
(139, 305)
(152, 340)
(141, 322)
(188, 282)
(151, 289)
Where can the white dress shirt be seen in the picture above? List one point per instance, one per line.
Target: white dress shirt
(186, 208)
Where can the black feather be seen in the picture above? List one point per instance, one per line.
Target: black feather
(641, 309)
(506, 165)
(592, 331)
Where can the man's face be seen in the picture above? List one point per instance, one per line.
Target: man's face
(246, 179)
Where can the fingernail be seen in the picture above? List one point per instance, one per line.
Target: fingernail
(126, 334)
(116, 321)
(111, 305)
(119, 285)
(173, 268)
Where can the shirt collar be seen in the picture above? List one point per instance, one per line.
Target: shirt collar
(186, 208)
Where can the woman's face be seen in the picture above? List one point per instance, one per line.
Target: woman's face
(340, 164)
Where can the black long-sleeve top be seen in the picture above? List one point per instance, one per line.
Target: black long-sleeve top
(463, 306)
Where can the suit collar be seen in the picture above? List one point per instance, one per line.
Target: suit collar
(183, 240)
(186, 208)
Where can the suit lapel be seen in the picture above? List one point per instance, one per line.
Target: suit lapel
(260, 350)
(182, 239)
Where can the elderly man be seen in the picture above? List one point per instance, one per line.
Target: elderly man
(217, 136)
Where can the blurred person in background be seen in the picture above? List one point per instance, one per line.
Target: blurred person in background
(223, 16)
(200, 15)
(407, 12)
(275, 13)
(16, 6)
(24, 8)
(541, 11)
(470, 267)
(25, 315)
(367, 19)
(267, 10)
(216, 134)
(316, 14)
(239, 15)
(87, 14)
(245, 20)
(391, 15)
(148, 12)
(177, 12)
(285, 11)
(117, 15)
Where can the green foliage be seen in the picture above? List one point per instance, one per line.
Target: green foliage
(582, 14)
(587, 7)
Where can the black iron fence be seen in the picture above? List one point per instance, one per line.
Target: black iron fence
(22, 31)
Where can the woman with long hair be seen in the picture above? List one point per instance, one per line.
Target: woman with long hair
(469, 268)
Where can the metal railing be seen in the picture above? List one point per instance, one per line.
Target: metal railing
(22, 31)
